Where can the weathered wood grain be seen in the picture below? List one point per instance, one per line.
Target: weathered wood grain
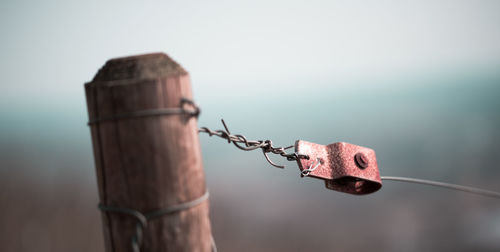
(147, 163)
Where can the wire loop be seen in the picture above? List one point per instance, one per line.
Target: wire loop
(310, 169)
(142, 219)
(181, 110)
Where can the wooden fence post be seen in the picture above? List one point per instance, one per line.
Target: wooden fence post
(147, 163)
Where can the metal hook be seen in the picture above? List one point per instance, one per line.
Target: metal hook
(271, 162)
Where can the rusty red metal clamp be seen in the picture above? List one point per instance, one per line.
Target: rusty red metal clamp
(344, 167)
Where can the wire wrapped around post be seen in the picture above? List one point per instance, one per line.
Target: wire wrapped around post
(147, 155)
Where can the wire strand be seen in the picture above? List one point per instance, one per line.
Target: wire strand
(445, 185)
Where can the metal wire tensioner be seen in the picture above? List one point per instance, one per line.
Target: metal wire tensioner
(249, 145)
(371, 178)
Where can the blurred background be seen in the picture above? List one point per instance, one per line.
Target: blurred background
(419, 82)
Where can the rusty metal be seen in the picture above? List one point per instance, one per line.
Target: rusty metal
(338, 166)
(344, 167)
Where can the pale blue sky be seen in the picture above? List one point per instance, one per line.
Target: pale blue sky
(49, 48)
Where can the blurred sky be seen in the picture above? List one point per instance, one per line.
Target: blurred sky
(418, 81)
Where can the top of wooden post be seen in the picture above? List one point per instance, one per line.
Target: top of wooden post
(146, 66)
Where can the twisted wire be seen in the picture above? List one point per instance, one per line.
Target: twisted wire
(306, 172)
(242, 143)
